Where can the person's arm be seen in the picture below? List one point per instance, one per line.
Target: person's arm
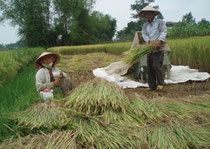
(144, 34)
(163, 31)
(40, 84)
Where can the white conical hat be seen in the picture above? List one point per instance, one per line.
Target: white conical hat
(148, 8)
(56, 56)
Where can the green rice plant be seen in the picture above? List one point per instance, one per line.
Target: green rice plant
(194, 52)
(175, 136)
(16, 95)
(132, 56)
(70, 50)
(11, 62)
(113, 48)
(46, 115)
(117, 48)
(55, 140)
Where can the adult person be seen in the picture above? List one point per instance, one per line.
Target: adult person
(49, 76)
(154, 32)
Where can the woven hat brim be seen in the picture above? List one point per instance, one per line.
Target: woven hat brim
(56, 56)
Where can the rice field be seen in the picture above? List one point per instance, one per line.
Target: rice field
(194, 51)
(98, 114)
(11, 62)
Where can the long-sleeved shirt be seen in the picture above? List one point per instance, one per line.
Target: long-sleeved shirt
(155, 31)
(43, 78)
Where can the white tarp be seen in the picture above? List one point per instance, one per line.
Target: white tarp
(178, 74)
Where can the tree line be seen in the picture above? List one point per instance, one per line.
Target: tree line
(187, 27)
(49, 23)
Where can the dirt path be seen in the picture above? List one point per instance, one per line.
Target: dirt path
(86, 63)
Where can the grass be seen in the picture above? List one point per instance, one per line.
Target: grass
(16, 95)
(11, 62)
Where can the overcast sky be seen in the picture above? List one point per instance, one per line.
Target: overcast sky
(172, 10)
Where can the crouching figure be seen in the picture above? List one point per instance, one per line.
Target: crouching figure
(50, 77)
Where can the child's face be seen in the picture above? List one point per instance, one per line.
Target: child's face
(47, 59)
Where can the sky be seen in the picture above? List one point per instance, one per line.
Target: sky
(172, 10)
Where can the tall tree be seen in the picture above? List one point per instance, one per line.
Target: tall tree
(32, 18)
(139, 5)
(128, 32)
(188, 18)
(68, 11)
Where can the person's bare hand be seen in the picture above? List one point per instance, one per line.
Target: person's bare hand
(61, 74)
(159, 44)
(57, 83)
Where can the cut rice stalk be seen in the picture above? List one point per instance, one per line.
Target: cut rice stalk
(133, 55)
(42, 115)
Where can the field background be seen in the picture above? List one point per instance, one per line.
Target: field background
(18, 91)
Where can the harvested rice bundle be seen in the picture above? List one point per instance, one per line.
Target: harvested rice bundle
(96, 97)
(153, 112)
(55, 140)
(42, 115)
(132, 56)
(93, 135)
(174, 110)
(174, 135)
(147, 110)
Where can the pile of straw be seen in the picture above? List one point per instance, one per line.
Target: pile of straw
(55, 140)
(96, 97)
(100, 115)
(42, 115)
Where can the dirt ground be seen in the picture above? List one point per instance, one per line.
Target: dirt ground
(172, 91)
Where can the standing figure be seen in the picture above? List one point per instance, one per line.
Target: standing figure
(154, 32)
(49, 76)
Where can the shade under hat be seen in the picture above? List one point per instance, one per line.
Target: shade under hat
(56, 56)
(148, 9)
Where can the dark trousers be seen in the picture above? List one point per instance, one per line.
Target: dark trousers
(154, 66)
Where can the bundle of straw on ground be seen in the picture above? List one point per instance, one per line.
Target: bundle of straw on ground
(153, 112)
(133, 55)
(101, 99)
(93, 135)
(55, 140)
(174, 136)
(46, 115)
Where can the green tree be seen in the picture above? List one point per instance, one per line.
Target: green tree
(31, 17)
(139, 5)
(188, 18)
(128, 32)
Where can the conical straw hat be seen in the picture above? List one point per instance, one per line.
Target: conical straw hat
(56, 56)
(148, 9)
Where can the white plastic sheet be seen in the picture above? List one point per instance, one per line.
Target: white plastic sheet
(178, 74)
